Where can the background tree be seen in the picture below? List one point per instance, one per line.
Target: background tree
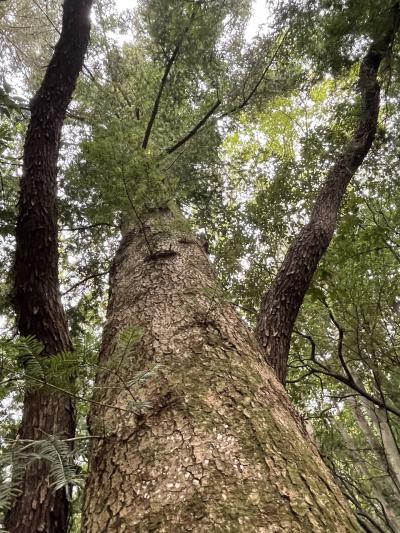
(36, 288)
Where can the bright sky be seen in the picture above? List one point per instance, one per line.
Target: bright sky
(259, 18)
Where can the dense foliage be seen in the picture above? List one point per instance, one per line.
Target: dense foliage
(177, 105)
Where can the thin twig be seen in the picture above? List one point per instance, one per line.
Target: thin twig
(84, 280)
(89, 226)
(142, 225)
(80, 398)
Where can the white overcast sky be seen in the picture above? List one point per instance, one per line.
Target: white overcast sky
(259, 17)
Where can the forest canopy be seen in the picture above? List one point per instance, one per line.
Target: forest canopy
(199, 272)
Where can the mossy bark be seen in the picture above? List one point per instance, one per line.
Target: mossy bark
(220, 448)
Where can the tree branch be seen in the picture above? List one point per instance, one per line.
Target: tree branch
(161, 88)
(346, 380)
(356, 387)
(84, 280)
(194, 130)
(90, 226)
(282, 301)
(253, 91)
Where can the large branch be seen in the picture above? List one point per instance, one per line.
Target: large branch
(36, 285)
(239, 107)
(246, 100)
(160, 91)
(281, 303)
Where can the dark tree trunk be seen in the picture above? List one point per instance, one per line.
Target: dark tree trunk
(36, 285)
(281, 303)
(220, 449)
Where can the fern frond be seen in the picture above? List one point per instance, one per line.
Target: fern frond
(10, 476)
(129, 337)
(61, 370)
(141, 377)
(29, 346)
(34, 372)
(15, 458)
(63, 471)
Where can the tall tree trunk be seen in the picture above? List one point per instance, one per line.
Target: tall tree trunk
(384, 488)
(36, 285)
(282, 301)
(389, 448)
(220, 448)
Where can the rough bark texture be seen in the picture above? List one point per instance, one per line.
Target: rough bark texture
(220, 448)
(36, 286)
(281, 303)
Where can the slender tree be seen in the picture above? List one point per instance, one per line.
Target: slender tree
(282, 301)
(36, 285)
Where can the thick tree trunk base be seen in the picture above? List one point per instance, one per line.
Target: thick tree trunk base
(220, 449)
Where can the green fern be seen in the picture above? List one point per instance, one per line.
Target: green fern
(28, 346)
(141, 377)
(22, 359)
(15, 458)
(129, 337)
(127, 341)
(63, 471)
(9, 486)
(61, 370)
(34, 372)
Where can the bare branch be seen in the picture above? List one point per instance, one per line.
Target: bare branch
(340, 340)
(161, 88)
(84, 280)
(89, 226)
(348, 379)
(356, 387)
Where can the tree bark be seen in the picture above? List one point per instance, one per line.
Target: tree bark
(282, 301)
(36, 286)
(220, 448)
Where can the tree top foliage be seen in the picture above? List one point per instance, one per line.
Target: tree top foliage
(240, 134)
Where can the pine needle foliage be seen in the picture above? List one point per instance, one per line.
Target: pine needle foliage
(24, 367)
